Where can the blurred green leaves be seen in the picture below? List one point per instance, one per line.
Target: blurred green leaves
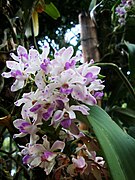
(131, 58)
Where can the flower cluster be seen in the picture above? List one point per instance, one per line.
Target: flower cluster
(121, 10)
(60, 88)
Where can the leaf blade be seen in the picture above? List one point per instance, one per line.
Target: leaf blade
(52, 11)
(118, 147)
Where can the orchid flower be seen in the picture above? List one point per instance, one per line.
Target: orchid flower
(60, 89)
(25, 127)
(18, 72)
(79, 165)
(43, 155)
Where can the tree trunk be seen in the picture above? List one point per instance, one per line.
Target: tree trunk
(89, 40)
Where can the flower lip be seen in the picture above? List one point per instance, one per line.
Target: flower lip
(23, 126)
(16, 73)
(35, 108)
(46, 156)
(26, 159)
(66, 123)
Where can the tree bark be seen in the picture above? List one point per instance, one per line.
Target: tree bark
(89, 40)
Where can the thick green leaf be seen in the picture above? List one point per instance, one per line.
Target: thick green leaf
(131, 57)
(118, 147)
(52, 11)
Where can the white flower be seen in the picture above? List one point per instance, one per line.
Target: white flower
(18, 72)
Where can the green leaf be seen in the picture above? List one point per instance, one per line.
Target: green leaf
(52, 11)
(131, 58)
(118, 147)
(92, 4)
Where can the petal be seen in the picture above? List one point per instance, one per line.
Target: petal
(45, 52)
(89, 99)
(6, 74)
(71, 114)
(18, 122)
(35, 107)
(46, 143)
(21, 50)
(27, 159)
(40, 80)
(79, 92)
(59, 53)
(20, 101)
(48, 166)
(16, 58)
(66, 123)
(82, 108)
(12, 65)
(32, 129)
(98, 95)
(58, 145)
(96, 85)
(36, 162)
(79, 163)
(23, 55)
(36, 149)
(58, 115)
(18, 84)
(33, 54)
(49, 156)
(19, 135)
(67, 53)
(94, 70)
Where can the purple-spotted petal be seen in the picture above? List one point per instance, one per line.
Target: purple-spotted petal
(6, 74)
(66, 90)
(12, 65)
(67, 53)
(82, 108)
(40, 80)
(22, 51)
(45, 52)
(18, 84)
(16, 73)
